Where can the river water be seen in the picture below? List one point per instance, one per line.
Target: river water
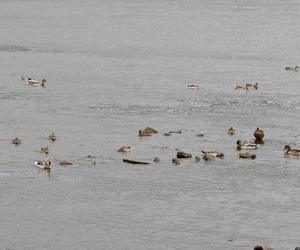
(114, 67)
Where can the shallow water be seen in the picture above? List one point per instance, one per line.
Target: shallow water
(114, 67)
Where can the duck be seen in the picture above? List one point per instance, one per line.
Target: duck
(213, 153)
(208, 157)
(16, 141)
(238, 87)
(43, 164)
(45, 150)
(231, 131)
(292, 67)
(192, 86)
(246, 145)
(52, 137)
(150, 130)
(124, 149)
(247, 155)
(34, 82)
(264, 247)
(291, 151)
(259, 134)
(250, 85)
(143, 133)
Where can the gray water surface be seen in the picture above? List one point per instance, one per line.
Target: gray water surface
(114, 67)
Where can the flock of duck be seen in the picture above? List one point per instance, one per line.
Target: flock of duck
(245, 148)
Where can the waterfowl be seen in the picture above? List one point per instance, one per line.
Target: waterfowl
(176, 161)
(231, 131)
(181, 154)
(192, 86)
(213, 153)
(208, 157)
(124, 149)
(34, 82)
(16, 141)
(143, 133)
(150, 130)
(291, 151)
(65, 163)
(250, 85)
(43, 164)
(45, 150)
(292, 67)
(247, 155)
(258, 247)
(259, 134)
(52, 137)
(156, 159)
(246, 145)
(238, 87)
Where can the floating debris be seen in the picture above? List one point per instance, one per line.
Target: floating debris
(175, 132)
(167, 134)
(135, 162)
(181, 154)
(200, 135)
(65, 163)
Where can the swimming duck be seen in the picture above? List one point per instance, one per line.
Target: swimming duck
(124, 149)
(231, 131)
(292, 67)
(150, 130)
(262, 248)
(213, 153)
(259, 134)
(192, 86)
(45, 150)
(246, 145)
(16, 141)
(52, 137)
(250, 85)
(238, 87)
(247, 155)
(291, 151)
(208, 157)
(43, 164)
(34, 82)
(143, 133)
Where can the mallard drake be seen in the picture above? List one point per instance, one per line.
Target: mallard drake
(52, 137)
(34, 82)
(258, 247)
(247, 155)
(291, 151)
(43, 164)
(45, 150)
(213, 153)
(259, 134)
(231, 131)
(124, 149)
(16, 141)
(192, 86)
(292, 67)
(246, 145)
